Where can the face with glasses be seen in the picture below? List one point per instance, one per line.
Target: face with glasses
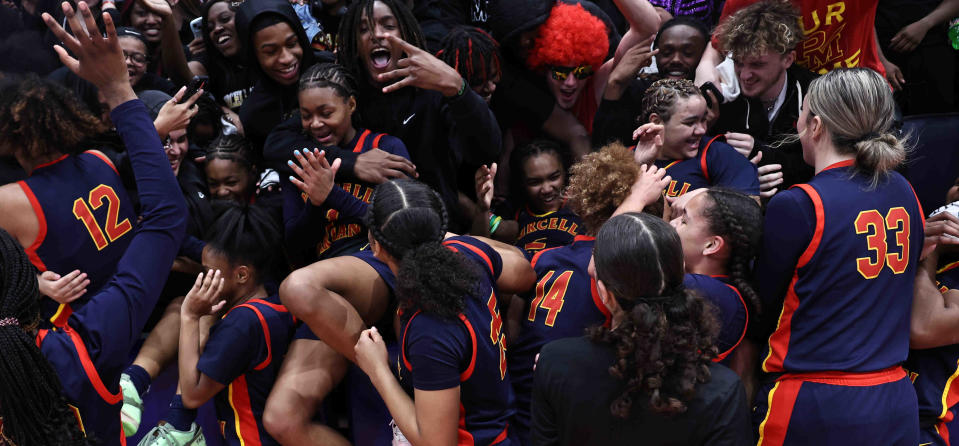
(567, 83)
(135, 53)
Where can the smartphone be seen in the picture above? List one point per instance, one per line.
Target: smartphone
(195, 25)
(195, 84)
(707, 87)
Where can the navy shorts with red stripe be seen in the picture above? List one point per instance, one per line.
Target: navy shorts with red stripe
(838, 409)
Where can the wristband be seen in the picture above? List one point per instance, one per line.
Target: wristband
(494, 221)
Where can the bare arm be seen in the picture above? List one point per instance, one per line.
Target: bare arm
(195, 387)
(174, 60)
(337, 298)
(562, 126)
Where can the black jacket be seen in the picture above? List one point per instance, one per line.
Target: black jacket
(441, 135)
(270, 103)
(747, 115)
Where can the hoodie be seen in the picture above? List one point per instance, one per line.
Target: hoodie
(270, 103)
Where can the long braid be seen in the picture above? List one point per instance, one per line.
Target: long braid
(32, 404)
(472, 53)
(738, 219)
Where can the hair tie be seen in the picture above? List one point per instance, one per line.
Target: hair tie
(867, 137)
(9, 321)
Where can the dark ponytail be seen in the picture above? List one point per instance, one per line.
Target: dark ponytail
(32, 405)
(738, 220)
(664, 345)
(409, 221)
(248, 235)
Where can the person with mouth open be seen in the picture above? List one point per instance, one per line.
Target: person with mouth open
(571, 50)
(674, 138)
(407, 92)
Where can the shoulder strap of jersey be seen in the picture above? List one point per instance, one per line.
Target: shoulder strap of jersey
(359, 142)
(406, 330)
(469, 370)
(820, 224)
(702, 156)
(103, 158)
(41, 226)
(535, 258)
(279, 308)
(489, 263)
(266, 334)
(376, 141)
(726, 353)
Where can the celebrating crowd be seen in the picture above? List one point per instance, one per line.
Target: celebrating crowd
(475, 222)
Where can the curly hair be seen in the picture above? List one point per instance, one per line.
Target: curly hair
(409, 220)
(570, 37)
(599, 183)
(472, 53)
(664, 345)
(663, 94)
(40, 119)
(738, 219)
(766, 26)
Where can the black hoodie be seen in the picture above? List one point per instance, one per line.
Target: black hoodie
(270, 103)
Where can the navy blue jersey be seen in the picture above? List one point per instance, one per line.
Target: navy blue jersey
(934, 370)
(85, 220)
(541, 231)
(90, 352)
(733, 314)
(563, 304)
(244, 352)
(339, 235)
(439, 354)
(840, 259)
(716, 164)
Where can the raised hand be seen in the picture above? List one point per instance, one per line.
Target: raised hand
(316, 175)
(377, 166)
(421, 69)
(99, 60)
(175, 115)
(63, 289)
(203, 297)
(161, 7)
(649, 142)
(647, 188)
(484, 186)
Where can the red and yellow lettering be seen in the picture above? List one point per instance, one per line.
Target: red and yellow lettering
(873, 223)
(496, 333)
(551, 300)
(113, 228)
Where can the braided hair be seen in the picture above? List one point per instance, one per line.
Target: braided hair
(347, 40)
(664, 345)
(517, 161)
(39, 118)
(32, 405)
(248, 235)
(409, 221)
(329, 75)
(237, 149)
(472, 53)
(738, 220)
(662, 96)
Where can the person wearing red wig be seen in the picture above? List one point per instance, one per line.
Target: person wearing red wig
(571, 49)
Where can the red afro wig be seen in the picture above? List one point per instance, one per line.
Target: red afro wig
(570, 37)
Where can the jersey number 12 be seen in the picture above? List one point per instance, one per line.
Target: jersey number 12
(114, 230)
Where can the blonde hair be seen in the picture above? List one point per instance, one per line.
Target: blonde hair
(857, 109)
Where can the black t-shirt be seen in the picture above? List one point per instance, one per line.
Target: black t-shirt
(573, 391)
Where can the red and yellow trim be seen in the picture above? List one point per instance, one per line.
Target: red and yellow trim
(489, 263)
(779, 340)
(359, 142)
(702, 156)
(41, 226)
(244, 423)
